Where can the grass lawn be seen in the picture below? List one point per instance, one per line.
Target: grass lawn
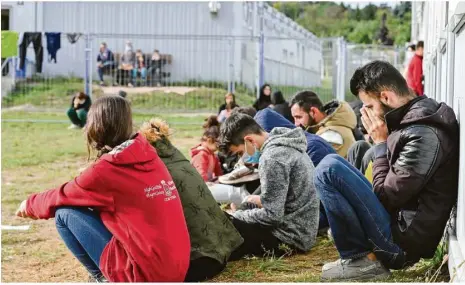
(41, 155)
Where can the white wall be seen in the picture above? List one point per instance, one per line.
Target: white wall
(444, 68)
(206, 54)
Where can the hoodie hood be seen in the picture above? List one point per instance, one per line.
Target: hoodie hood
(422, 110)
(157, 132)
(284, 137)
(269, 119)
(198, 149)
(339, 113)
(136, 153)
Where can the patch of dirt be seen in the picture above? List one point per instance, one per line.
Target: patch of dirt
(25, 108)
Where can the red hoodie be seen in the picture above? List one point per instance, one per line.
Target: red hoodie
(139, 204)
(206, 162)
(415, 74)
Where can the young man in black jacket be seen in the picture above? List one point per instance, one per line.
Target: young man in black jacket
(401, 217)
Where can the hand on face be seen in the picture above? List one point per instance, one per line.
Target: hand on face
(374, 125)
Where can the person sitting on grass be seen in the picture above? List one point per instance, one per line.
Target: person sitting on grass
(227, 107)
(401, 217)
(122, 217)
(288, 212)
(213, 237)
(203, 155)
(77, 112)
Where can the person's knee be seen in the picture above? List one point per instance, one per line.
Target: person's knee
(82, 115)
(62, 214)
(70, 111)
(327, 166)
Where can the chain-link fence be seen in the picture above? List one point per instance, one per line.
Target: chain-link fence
(187, 73)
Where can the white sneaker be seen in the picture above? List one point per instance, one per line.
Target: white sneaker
(74, 127)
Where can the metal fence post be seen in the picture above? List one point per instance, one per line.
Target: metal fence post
(260, 47)
(231, 84)
(87, 76)
(341, 69)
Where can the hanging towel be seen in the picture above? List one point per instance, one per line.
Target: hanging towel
(73, 38)
(36, 39)
(53, 45)
(9, 44)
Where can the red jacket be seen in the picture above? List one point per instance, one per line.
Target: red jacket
(415, 74)
(139, 204)
(206, 162)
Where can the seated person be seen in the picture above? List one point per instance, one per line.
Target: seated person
(77, 113)
(289, 204)
(155, 67)
(140, 68)
(401, 217)
(105, 61)
(203, 156)
(281, 106)
(334, 121)
(127, 65)
(227, 107)
(317, 147)
(229, 161)
(212, 236)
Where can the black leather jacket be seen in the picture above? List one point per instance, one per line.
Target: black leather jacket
(415, 174)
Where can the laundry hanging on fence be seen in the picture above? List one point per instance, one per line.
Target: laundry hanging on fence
(53, 45)
(9, 44)
(73, 38)
(36, 39)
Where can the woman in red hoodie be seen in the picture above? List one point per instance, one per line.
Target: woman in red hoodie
(203, 155)
(122, 217)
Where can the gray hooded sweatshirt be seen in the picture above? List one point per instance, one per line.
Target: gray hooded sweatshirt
(289, 199)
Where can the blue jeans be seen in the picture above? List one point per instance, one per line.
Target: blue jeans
(84, 234)
(359, 222)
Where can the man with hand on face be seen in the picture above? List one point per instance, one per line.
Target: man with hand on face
(335, 122)
(288, 212)
(401, 217)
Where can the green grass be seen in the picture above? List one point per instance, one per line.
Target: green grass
(57, 93)
(29, 143)
(41, 156)
(207, 96)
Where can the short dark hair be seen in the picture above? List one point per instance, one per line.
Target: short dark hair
(245, 110)
(378, 76)
(420, 44)
(235, 128)
(306, 100)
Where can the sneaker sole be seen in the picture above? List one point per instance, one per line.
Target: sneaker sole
(250, 177)
(377, 277)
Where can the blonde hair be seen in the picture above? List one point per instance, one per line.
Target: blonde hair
(155, 129)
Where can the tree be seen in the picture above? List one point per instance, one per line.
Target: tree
(329, 19)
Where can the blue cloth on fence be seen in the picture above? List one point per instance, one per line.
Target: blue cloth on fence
(53, 45)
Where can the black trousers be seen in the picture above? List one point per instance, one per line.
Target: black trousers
(258, 240)
(36, 39)
(204, 268)
(360, 154)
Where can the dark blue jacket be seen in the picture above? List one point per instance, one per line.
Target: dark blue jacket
(317, 148)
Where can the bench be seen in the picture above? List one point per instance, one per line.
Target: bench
(155, 76)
